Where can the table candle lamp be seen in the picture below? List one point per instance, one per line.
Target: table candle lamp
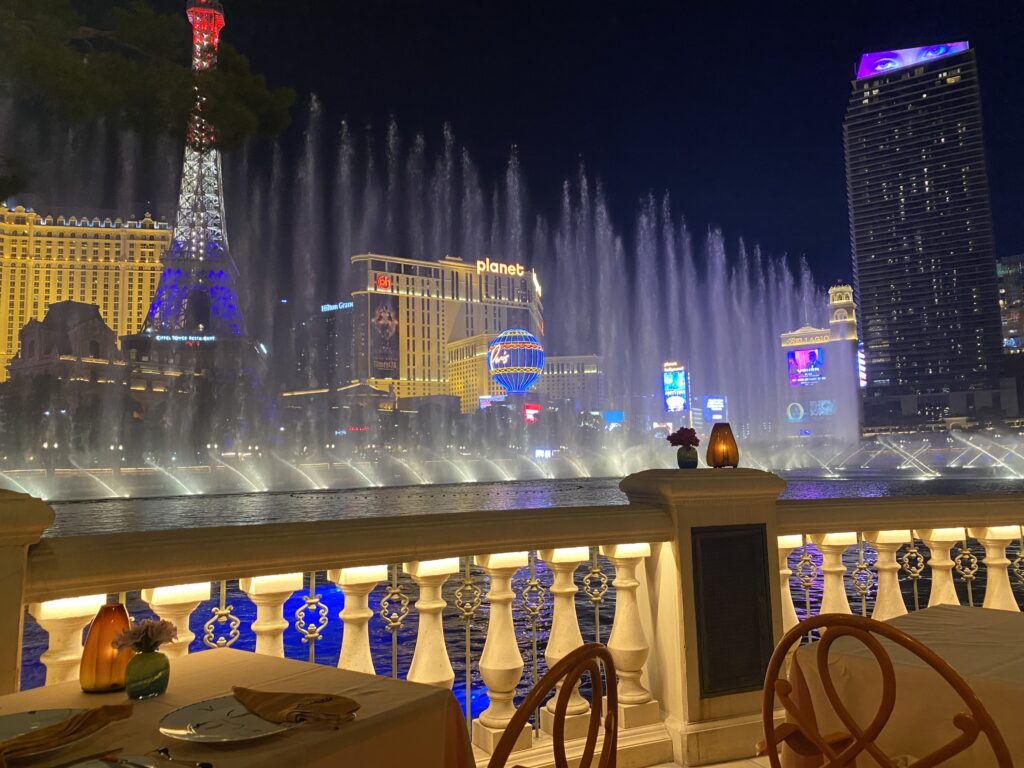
(722, 448)
(103, 666)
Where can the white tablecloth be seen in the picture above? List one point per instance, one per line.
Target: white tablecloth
(399, 723)
(986, 647)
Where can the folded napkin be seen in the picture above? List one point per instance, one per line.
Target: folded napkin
(295, 707)
(59, 734)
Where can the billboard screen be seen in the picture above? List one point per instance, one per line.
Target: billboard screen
(383, 337)
(883, 62)
(716, 408)
(675, 386)
(531, 413)
(806, 366)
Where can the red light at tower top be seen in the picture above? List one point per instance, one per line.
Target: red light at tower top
(207, 19)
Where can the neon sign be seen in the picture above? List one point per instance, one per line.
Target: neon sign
(675, 386)
(176, 337)
(497, 268)
(884, 62)
(335, 307)
(383, 282)
(531, 413)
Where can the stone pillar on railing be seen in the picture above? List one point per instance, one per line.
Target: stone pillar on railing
(714, 603)
(627, 642)
(356, 584)
(23, 520)
(64, 620)
(889, 599)
(176, 604)
(269, 594)
(501, 663)
(939, 541)
(998, 593)
(786, 546)
(565, 635)
(430, 662)
(832, 546)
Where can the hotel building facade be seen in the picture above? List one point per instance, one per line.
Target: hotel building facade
(410, 316)
(921, 236)
(44, 260)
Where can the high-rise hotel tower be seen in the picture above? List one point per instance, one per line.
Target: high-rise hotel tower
(921, 232)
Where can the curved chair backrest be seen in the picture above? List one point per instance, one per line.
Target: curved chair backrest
(839, 750)
(568, 672)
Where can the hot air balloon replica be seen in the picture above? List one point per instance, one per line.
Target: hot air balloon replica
(515, 360)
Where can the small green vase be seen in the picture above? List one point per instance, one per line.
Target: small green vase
(147, 675)
(686, 456)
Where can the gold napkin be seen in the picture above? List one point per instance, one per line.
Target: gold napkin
(59, 734)
(295, 707)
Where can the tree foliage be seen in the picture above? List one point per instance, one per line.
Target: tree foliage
(124, 61)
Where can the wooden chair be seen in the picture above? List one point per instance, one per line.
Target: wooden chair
(840, 750)
(569, 671)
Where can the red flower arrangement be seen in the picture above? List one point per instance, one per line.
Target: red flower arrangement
(684, 437)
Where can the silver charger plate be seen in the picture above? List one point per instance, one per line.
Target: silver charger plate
(20, 723)
(221, 720)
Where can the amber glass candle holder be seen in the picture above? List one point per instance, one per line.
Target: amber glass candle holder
(722, 448)
(103, 666)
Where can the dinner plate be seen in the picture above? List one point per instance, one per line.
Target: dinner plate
(20, 723)
(221, 720)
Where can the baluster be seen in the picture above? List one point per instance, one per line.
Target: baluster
(356, 584)
(786, 546)
(565, 636)
(176, 604)
(627, 642)
(501, 663)
(913, 563)
(832, 546)
(939, 541)
(269, 594)
(430, 662)
(889, 600)
(998, 593)
(64, 621)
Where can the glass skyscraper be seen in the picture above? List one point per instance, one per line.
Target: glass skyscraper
(921, 232)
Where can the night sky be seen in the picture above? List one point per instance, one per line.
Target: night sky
(735, 108)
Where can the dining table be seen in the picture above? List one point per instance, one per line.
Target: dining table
(399, 723)
(984, 646)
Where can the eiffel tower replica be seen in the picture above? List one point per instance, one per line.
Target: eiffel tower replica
(194, 334)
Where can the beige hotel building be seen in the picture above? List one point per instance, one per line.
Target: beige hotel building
(112, 264)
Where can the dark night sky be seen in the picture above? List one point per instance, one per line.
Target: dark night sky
(736, 108)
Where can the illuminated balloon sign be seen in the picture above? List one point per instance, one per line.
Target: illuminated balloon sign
(884, 62)
(515, 360)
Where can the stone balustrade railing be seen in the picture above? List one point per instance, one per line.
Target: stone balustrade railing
(883, 557)
(534, 584)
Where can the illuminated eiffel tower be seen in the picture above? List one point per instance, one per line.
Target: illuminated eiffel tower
(197, 295)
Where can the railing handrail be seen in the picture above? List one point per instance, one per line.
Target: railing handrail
(68, 566)
(806, 516)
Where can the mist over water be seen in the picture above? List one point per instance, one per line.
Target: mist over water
(637, 292)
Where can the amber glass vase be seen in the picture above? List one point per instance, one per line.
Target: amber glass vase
(103, 666)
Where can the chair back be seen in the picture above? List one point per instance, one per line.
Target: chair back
(839, 750)
(586, 659)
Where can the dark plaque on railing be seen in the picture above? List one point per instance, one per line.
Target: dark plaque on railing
(733, 604)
